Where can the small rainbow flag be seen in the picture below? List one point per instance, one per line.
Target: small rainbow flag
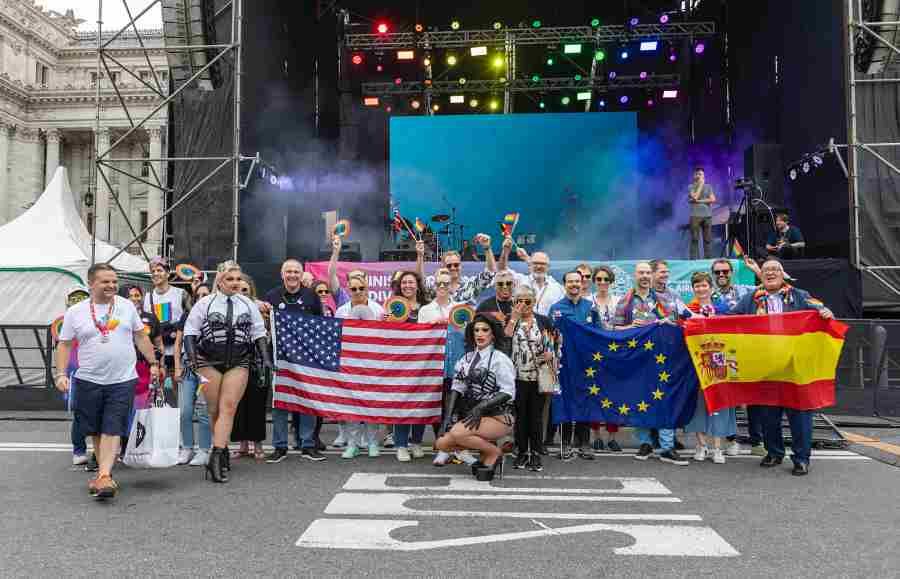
(511, 219)
(736, 249)
(420, 226)
(163, 312)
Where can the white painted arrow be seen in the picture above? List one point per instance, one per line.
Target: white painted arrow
(361, 481)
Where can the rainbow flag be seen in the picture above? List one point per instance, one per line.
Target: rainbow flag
(736, 249)
(785, 360)
(511, 219)
(163, 311)
(420, 226)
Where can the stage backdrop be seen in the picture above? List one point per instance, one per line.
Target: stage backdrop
(379, 273)
(571, 176)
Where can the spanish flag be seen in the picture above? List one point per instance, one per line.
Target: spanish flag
(785, 360)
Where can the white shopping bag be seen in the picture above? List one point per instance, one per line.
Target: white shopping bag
(154, 438)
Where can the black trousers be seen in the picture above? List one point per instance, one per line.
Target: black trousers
(529, 416)
(582, 438)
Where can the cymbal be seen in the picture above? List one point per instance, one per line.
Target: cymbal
(440, 218)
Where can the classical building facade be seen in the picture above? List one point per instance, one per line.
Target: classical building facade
(48, 110)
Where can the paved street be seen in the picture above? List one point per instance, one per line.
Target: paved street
(377, 517)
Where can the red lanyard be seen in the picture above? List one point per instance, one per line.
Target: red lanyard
(103, 328)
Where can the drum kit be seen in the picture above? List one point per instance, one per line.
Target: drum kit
(446, 234)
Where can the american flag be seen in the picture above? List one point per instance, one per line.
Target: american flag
(356, 370)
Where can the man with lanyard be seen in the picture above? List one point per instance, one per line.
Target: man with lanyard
(501, 306)
(462, 290)
(775, 296)
(107, 328)
(170, 305)
(292, 294)
(578, 309)
(641, 307)
(726, 292)
(547, 289)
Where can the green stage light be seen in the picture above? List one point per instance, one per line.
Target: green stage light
(550, 62)
(536, 24)
(498, 25)
(595, 22)
(494, 105)
(571, 49)
(542, 105)
(451, 60)
(535, 78)
(599, 55)
(583, 96)
(577, 77)
(462, 80)
(498, 62)
(473, 103)
(566, 100)
(455, 25)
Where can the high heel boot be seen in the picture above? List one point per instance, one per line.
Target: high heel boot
(214, 466)
(488, 473)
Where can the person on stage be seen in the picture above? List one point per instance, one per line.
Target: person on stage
(222, 335)
(483, 392)
(775, 296)
(786, 242)
(107, 328)
(701, 198)
(294, 294)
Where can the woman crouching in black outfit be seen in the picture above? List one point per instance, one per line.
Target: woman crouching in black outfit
(484, 385)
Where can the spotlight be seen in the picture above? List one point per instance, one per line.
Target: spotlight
(664, 19)
(478, 51)
(357, 59)
(427, 61)
(595, 22)
(643, 75)
(634, 21)
(550, 61)
(599, 55)
(398, 81)
(535, 23)
(473, 103)
(624, 55)
(650, 102)
(623, 99)
(805, 167)
(583, 96)
(494, 105)
(388, 108)
(415, 104)
(451, 60)
(571, 49)
(462, 80)
(649, 45)
(792, 174)
(612, 75)
(670, 94)
(565, 100)
(818, 160)
(382, 28)
(370, 101)
(498, 61)
(435, 107)
(498, 25)
(455, 25)
(601, 103)
(673, 56)
(406, 55)
(699, 48)
(535, 78)
(379, 68)
(457, 99)
(427, 82)
(420, 28)
(542, 105)
(578, 77)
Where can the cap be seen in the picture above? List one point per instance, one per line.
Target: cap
(159, 261)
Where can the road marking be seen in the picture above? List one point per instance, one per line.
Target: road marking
(660, 540)
(360, 481)
(392, 504)
(554, 498)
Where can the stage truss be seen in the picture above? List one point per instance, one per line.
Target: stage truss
(103, 159)
(857, 25)
(510, 39)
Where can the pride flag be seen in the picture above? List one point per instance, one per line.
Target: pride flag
(737, 250)
(785, 360)
(163, 311)
(420, 225)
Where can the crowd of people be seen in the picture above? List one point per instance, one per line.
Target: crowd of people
(209, 344)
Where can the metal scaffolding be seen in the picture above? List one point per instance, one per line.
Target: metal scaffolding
(856, 27)
(652, 81)
(103, 159)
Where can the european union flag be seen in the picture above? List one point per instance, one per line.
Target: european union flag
(639, 377)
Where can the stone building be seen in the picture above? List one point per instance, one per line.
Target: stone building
(48, 109)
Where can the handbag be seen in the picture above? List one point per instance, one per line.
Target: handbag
(548, 381)
(154, 437)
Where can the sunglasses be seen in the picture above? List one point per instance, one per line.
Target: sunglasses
(504, 284)
(526, 302)
(442, 284)
(601, 279)
(245, 290)
(322, 292)
(453, 266)
(357, 289)
(722, 271)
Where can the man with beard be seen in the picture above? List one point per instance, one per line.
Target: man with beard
(547, 289)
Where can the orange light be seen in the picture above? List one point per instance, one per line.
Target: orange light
(420, 28)
(357, 59)
(371, 101)
(416, 104)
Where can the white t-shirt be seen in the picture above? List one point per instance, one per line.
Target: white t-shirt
(344, 310)
(101, 362)
(434, 312)
(546, 295)
(168, 308)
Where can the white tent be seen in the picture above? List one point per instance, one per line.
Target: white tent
(44, 253)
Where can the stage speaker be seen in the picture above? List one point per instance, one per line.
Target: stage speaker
(190, 23)
(398, 255)
(764, 164)
(350, 251)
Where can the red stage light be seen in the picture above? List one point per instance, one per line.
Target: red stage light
(382, 28)
(379, 68)
(357, 59)
(398, 81)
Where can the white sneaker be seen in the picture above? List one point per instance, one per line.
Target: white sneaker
(734, 448)
(416, 450)
(701, 453)
(718, 456)
(403, 454)
(185, 455)
(441, 459)
(464, 456)
(200, 459)
(79, 459)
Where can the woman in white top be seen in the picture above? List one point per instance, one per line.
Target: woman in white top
(484, 384)
(222, 334)
(604, 313)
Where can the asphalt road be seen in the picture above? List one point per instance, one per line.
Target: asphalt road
(611, 517)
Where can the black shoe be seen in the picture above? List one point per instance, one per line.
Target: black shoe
(613, 446)
(678, 445)
(214, 467)
(672, 457)
(297, 447)
(320, 446)
(521, 461)
(476, 466)
(586, 453)
(598, 445)
(276, 456)
(644, 452)
(535, 465)
(488, 473)
(542, 450)
(312, 454)
(91, 465)
(226, 460)
(549, 442)
(769, 461)
(800, 469)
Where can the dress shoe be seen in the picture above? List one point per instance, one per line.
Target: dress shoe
(800, 469)
(769, 461)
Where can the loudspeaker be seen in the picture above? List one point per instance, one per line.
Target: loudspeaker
(350, 251)
(398, 255)
(764, 164)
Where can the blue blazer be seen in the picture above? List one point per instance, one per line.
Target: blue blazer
(798, 300)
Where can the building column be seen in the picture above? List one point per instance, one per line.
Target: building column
(155, 196)
(101, 196)
(5, 194)
(53, 146)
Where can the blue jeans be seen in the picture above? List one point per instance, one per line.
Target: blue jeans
(402, 434)
(666, 438)
(755, 419)
(801, 422)
(79, 441)
(187, 408)
(305, 431)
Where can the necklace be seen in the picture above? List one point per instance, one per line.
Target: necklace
(108, 323)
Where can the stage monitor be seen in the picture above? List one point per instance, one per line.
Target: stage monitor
(571, 177)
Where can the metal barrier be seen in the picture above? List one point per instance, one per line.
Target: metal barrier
(868, 373)
(26, 355)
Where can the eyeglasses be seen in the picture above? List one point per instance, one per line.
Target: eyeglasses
(585, 276)
(357, 289)
(322, 292)
(722, 271)
(245, 290)
(504, 284)
(527, 302)
(442, 284)
(601, 279)
(540, 263)
(453, 265)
